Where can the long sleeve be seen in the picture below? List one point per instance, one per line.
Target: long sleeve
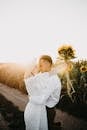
(54, 97)
(50, 95)
(27, 84)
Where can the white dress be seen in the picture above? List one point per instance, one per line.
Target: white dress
(43, 90)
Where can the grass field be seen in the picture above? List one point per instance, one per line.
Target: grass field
(12, 75)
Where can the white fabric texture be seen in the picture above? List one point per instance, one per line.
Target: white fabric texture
(43, 90)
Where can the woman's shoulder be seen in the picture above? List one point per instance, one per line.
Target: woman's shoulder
(54, 76)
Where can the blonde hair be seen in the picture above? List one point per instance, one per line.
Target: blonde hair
(47, 58)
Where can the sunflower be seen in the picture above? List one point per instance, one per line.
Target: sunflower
(83, 69)
(66, 52)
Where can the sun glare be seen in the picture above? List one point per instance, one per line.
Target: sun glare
(30, 29)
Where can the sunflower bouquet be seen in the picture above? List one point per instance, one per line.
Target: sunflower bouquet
(66, 52)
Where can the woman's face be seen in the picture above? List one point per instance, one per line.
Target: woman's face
(44, 66)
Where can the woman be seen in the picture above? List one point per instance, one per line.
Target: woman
(43, 90)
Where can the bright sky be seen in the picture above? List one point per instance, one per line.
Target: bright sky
(30, 28)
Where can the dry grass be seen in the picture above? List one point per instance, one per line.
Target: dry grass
(12, 75)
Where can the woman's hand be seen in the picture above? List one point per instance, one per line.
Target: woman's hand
(31, 72)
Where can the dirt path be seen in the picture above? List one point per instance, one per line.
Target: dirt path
(70, 122)
(15, 96)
